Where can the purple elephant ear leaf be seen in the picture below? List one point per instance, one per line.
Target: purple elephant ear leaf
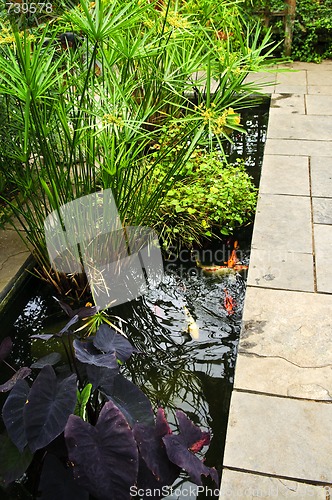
(43, 336)
(152, 451)
(74, 319)
(57, 482)
(12, 463)
(86, 352)
(107, 340)
(162, 426)
(50, 359)
(20, 374)
(49, 405)
(82, 312)
(12, 414)
(178, 453)
(133, 403)
(105, 457)
(5, 348)
(193, 438)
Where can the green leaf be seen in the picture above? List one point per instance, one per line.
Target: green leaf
(82, 400)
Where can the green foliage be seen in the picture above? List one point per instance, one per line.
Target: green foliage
(312, 35)
(83, 117)
(208, 196)
(83, 397)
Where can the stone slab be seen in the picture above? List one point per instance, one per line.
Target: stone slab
(321, 176)
(319, 104)
(322, 210)
(283, 88)
(281, 269)
(323, 246)
(242, 485)
(283, 223)
(298, 147)
(13, 254)
(321, 89)
(317, 77)
(311, 128)
(285, 175)
(289, 76)
(287, 103)
(293, 326)
(277, 376)
(280, 436)
(308, 66)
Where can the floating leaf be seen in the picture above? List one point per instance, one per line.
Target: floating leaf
(5, 348)
(48, 408)
(12, 463)
(133, 403)
(50, 359)
(105, 457)
(107, 340)
(12, 414)
(57, 482)
(87, 353)
(20, 374)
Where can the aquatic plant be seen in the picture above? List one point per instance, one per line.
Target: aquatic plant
(86, 429)
(89, 94)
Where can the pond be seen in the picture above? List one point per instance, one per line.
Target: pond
(186, 328)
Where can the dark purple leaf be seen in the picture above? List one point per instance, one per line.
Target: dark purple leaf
(12, 414)
(50, 359)
(20, 374)
(57, 482)
(182, 457)
(5, 348)
(192, 437)
(12, 463)
(105, 457)
(102, 377)
(71, 322)
(43, 336)
(82, 312)
(152, 451)
(147, 482)
(133, 403)
(162, 426)
(181, 448)
(107, 340)
(87, 353)
(49, 406)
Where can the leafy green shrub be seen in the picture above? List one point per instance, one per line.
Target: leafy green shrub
(312, 35)
(207, 197)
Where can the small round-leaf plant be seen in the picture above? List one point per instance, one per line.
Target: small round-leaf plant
(87, 429)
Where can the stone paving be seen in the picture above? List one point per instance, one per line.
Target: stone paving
(278, 441)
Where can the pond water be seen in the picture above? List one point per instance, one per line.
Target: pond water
(183, 368)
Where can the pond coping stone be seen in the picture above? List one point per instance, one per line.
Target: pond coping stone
(278, 437)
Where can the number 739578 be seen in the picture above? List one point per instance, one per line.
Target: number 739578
(29, 8)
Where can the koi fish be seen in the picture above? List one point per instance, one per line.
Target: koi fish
(192, 326)
(221, 270)
(229, 303)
